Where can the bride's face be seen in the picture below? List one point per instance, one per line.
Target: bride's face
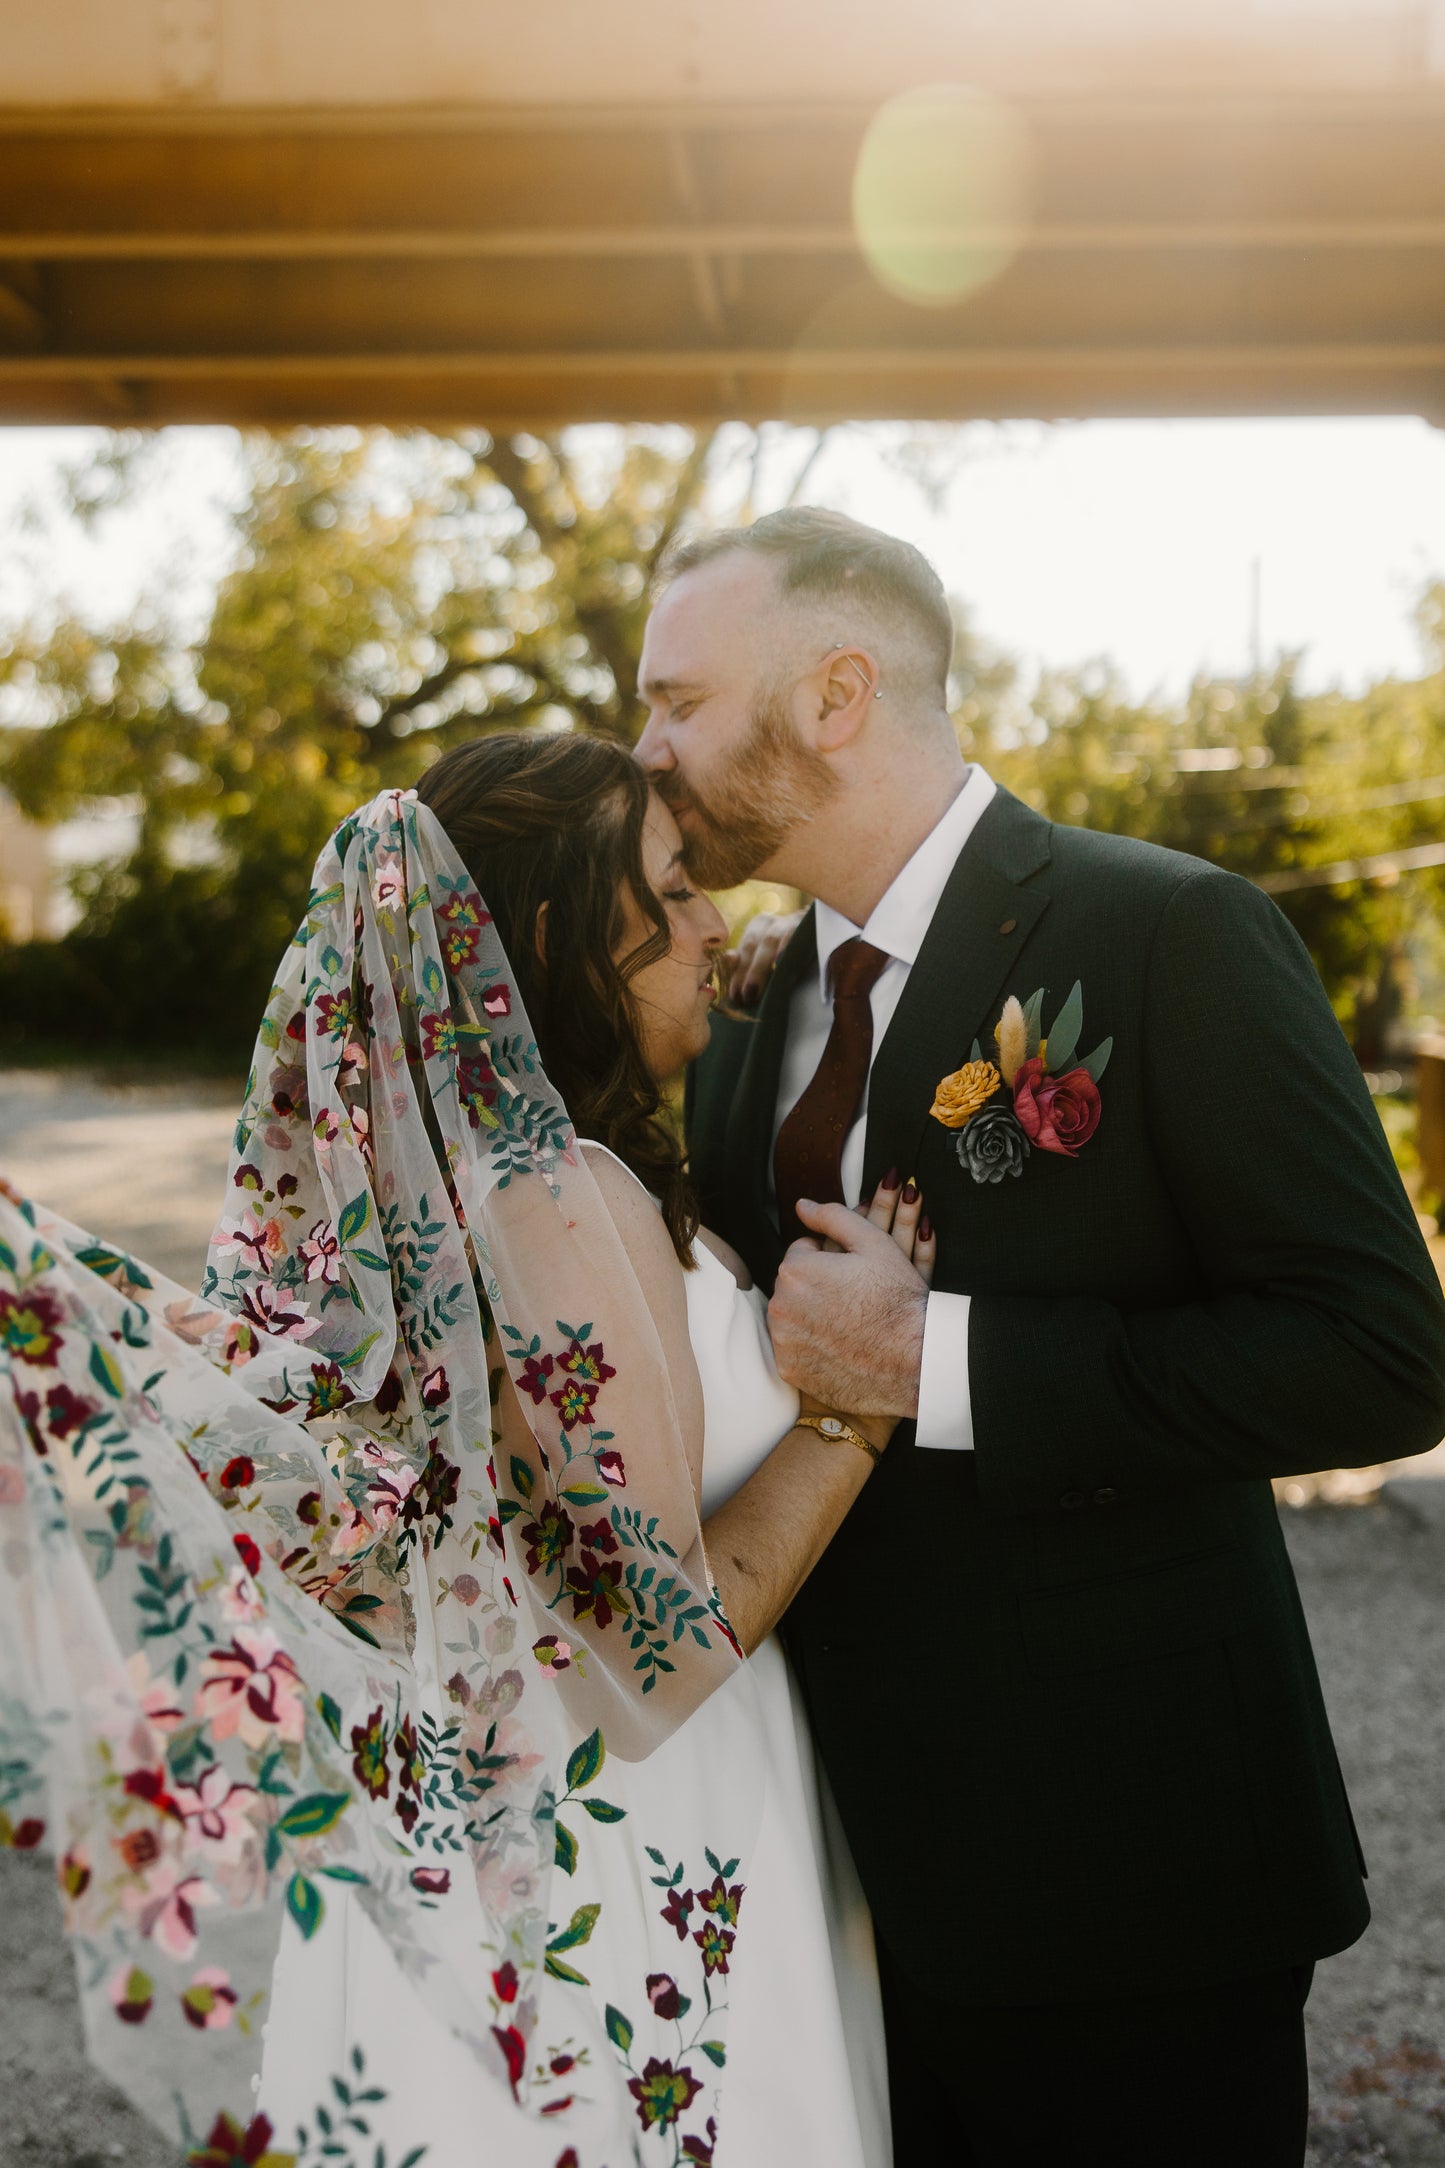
(673, 995)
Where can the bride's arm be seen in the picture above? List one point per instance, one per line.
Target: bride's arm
(765, 1541)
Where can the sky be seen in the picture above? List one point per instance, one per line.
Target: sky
(1139, 541)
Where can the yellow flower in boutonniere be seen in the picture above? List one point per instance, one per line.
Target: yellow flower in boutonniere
(959, 1097)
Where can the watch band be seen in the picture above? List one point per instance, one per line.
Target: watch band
(836, 1431)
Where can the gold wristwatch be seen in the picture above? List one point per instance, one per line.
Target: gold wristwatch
(836, 1431)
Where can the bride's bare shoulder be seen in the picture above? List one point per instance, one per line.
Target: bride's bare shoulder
(726, 1255)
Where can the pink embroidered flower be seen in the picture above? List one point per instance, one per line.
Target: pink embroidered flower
(388, 886)
(262, 1242)
(1057, 1113)
(159, 1703)
(165, 1906)
(435, 1390)
(269, 1311)
(497, 1001)
(132, 1993)
(326, 1128)
(252, 1688)
(552, 1654)
(217, 1812)
(209, 2000)
(321, 1253)
(240, 1598)
(609, 1467)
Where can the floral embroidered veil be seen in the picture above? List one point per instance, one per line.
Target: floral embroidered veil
(413, 1448)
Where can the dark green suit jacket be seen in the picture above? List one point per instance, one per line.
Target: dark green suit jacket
(1062, 1685)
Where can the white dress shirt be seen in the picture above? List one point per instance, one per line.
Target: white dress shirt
(896, 925)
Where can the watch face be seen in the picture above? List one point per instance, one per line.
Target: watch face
(832, 1426)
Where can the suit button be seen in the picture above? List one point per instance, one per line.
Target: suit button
(1106, 1495)
(1071, 1500)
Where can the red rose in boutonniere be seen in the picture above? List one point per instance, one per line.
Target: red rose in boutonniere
(1057, 1113)
(1038, 1096)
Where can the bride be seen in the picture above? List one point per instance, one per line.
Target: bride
(410, 1799)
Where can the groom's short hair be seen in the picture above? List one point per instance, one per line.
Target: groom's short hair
(826, 557)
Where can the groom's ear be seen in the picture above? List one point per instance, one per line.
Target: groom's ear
(846, 682)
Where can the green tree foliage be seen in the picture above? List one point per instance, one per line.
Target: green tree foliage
(1254, 776)
(390, 595)
(387, 598)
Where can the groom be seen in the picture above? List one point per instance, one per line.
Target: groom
(1055, 1661)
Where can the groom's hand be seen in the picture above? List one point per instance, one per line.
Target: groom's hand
(847, 1322)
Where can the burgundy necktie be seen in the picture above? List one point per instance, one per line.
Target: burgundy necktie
(808, 1156)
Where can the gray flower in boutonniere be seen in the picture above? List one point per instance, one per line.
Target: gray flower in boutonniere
(993, 1145)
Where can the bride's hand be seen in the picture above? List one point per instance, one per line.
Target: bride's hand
(896, 1210)
(751, 964)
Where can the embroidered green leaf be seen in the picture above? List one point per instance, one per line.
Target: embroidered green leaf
(354, 1217)
(619, 2030)
(330, 1716)
(106, 1370)
(585, 1761)
(584, 1494)
(1063, 1042)
(566, 1852)
(369, 1258)
(714, 2051)
(352, 1356)
(559, 1971)
(313, 1815)
(345, 1874)
(305, 1905)
(578, 1929)
(602, 1810)
(1097, 1062)
(522, 1477)
(99, 1259)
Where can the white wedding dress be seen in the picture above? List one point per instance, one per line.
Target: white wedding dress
(806, 2076)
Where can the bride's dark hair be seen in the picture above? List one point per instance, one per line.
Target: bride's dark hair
(556, 818)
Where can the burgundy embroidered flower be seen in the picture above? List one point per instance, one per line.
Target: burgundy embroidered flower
(548, 1538)
(249, 1552)
(439, 1036)
(27, 1834)
(28, 1326)
(231, 2146)
(336, 1013)
(388, 1398)
(504, 1982)
(67, 1411)
(150, 1785)
(598, 1536)
(586, 1362)
(238, 1473)
(722, 1902)
(666, 1996)
(700, 2151)
(368, 1742)
(431, 1881)
(715, 1943)
(596, 1588)
(435, 1391)
(676, 1909)
(535, 1372)
(497, 1001)
(662, 2093)
(609, 1467)
(408, 1753)
(461, 919)
(1057, 1113)
(328, 1391)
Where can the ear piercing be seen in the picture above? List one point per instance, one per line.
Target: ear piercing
(875, 690)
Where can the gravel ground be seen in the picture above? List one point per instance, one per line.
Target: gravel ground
(1371, 1575)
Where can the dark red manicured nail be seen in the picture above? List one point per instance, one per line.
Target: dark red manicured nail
(925, 1229)
(910, 1193)
(891, 1179)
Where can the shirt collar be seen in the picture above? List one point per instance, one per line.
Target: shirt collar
(904, 912)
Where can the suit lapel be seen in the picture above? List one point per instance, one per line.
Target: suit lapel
(749, 1145)
(994, 898)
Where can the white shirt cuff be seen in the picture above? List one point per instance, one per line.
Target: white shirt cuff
(945, 1407)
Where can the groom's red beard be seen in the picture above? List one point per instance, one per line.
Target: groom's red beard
(772, 785)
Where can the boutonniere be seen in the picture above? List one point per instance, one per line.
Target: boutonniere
(1037, 1095)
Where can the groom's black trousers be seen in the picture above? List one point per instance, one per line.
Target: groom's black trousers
(1213, 2078)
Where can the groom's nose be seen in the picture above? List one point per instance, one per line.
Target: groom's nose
(652, 750)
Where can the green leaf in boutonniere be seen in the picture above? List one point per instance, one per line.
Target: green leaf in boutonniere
(1062, 1043)
(1033, 1021)
(1097, 1062)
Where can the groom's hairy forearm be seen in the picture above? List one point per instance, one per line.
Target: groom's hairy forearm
(763, 1544)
